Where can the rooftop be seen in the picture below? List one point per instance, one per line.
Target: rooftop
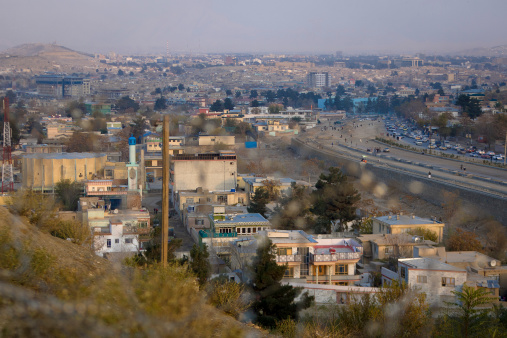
(290, 236)
(240, 219)
(63, 156)
(429, 264)
(405, 220)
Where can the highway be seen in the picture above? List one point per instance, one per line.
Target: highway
(357, 136)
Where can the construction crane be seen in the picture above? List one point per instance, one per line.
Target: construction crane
(7, 176)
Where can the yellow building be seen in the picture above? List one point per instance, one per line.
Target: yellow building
(43, 171)
(397, 224)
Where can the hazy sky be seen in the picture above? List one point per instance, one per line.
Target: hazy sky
(292, 26)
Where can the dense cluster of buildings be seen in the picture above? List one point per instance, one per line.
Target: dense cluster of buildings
(208, 193)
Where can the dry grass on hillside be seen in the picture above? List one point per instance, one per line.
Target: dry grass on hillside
(52, 287)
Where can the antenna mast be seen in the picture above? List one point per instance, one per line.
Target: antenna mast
(7, 177)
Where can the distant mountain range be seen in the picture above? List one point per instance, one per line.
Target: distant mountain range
(42, 49)
(46, 57)
(498, 51)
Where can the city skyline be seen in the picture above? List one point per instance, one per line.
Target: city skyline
(200, 26)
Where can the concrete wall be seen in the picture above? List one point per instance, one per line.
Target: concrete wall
(216, 175)
(40, 172)
(435, 292)
(409, 183)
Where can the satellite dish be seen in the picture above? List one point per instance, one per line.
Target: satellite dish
(492, 263)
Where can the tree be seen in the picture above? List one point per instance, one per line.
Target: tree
(253, 94)
(81, 142)
(181, 87)
(11, 96)
(272, 187)
(425, 233)
(217, 106)
(275, 108)
(471, 320)
(126, 102)
(68, 193)
(199, 263)
(227, 296)
(228, 92)
(254, 103)
(259, 201)
(335, 198)
(294, 212)
(228, 104)
(274, 301)
(121, 72)
(462, 240)
(160, 104)
(238, 94)
(138, 127)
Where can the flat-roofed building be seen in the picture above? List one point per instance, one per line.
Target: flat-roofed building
(212, 171)
(397, 224)
(436, 279)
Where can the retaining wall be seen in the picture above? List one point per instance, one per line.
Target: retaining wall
(430, 190)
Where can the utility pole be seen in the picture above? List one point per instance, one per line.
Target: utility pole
(165, 189)
(7, 175)
(505, 149)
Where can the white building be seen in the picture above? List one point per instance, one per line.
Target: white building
(115, 238)
(430, 276)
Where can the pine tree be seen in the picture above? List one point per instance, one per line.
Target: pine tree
(275, 301)
(335, 197)
(199, 263)
(259, 201)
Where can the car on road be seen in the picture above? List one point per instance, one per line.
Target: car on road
(474, 155)
(431, 146)
(485, 156)
(498, 157)
(386, 150)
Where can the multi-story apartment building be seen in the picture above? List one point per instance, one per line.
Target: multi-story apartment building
(318, 79)
(61, 86)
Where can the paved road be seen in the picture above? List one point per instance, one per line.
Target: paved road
(354, 139)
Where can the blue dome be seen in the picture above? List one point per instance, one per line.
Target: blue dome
(132, 141)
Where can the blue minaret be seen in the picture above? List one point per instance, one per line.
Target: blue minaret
(132, 165)
(132, 150)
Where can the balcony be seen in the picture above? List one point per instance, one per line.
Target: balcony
(339, 256)
(288, 258)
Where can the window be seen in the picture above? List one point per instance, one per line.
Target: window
(143, 224)
(422, 279)
(319, 269)
(240, 200)
(199, 222)
(208, 199)
(128, 240)
(222, 199)
(108, 243)
(254, 230)
(448, 281)
(341, 269)
(386, 250)
(117, 241)
(289, 273)
(403, 272)
(284, 251)
(190, 200)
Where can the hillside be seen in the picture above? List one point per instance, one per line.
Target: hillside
(52, 287)
(39, 57)
(497, 51)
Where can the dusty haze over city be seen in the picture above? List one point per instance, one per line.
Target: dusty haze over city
(322, 26)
